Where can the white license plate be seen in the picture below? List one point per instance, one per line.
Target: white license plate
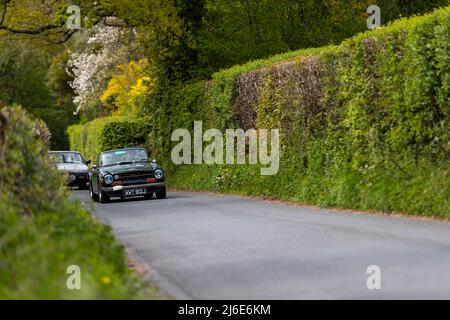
(135, 192)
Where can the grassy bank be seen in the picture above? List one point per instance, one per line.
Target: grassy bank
(42, 232)
(425, 194)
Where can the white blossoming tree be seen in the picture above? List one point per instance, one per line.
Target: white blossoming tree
(91, 69)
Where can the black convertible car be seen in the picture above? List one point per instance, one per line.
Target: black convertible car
(126, 173)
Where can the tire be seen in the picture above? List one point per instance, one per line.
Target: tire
(161, 194)
(92, 195)
(83, 187)
(102, 196)
(148, 196)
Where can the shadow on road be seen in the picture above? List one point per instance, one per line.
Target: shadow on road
(137, 199)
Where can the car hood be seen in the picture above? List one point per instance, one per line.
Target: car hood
(72, 167)
(124, 168)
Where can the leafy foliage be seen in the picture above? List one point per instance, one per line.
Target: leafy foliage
(110, 133)
(126, 90)
(24, 80)
(42, 232)
(363, 125)
(92, 65)
(22, 161)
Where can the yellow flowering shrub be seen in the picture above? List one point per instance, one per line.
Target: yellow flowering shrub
(126, 89)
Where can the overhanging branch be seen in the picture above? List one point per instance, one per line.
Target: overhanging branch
(31, 31)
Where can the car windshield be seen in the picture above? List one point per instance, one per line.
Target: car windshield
(123, 156)
(66, 157)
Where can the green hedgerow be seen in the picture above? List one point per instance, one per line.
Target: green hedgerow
(363, 125)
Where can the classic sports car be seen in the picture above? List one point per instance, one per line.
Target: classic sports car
(126, 173)
(74, 166)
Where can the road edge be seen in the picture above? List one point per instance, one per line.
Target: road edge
(396, 215)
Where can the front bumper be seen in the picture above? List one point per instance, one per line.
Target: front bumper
(77, 179)
(119, 191)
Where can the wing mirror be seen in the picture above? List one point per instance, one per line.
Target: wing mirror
(88, 162)
(94, 166)
(154, 161)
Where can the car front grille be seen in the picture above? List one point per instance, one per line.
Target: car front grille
(131, 178)
(76, 178)
(136, 175)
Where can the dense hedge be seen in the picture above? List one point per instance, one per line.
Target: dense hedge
(363, 125)
(109, 133)
(42, 232)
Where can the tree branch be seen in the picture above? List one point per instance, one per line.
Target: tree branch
(32, 32)
(53, 30)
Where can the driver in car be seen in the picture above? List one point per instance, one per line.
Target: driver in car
(132, 156)
(107, 159)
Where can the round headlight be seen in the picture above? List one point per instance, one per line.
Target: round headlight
(109, 179)
(159, 174)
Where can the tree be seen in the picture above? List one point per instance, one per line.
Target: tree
(23, 81)
(126, 89)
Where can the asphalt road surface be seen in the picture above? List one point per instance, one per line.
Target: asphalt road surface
(202, 246)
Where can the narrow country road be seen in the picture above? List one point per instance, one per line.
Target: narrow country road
(204, 246)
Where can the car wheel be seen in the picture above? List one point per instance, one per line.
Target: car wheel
(102, 196)
(148, 196)
(92, 195)
(161, 194)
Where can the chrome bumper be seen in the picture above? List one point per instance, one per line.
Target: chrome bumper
(135, 186)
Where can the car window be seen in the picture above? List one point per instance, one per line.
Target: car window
(66, 157)
(56, 157)
(119, 156)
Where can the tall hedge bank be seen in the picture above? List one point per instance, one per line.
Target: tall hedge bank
(109, 133)
(364, 125)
